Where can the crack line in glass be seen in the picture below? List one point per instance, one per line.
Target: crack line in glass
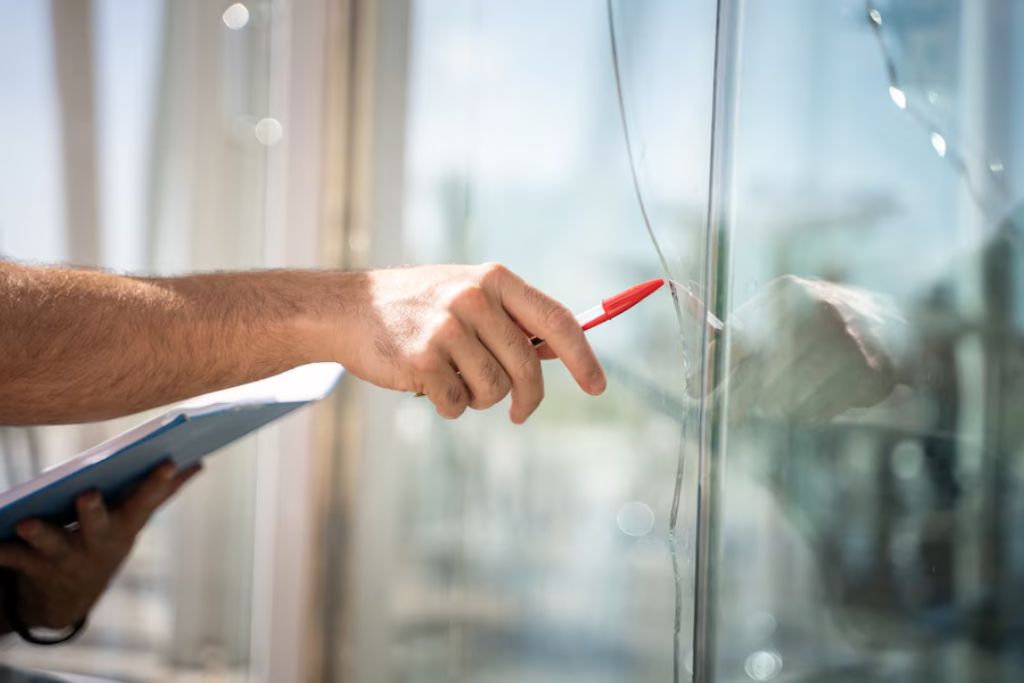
(681, 461)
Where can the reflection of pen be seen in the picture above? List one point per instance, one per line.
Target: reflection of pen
(695, 306)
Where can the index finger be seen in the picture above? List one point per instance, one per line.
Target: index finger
(550, 320)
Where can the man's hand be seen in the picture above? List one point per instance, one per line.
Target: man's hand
(60, 573)
(812, 349)
(461, 335)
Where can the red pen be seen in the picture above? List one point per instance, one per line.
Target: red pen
(613, 306)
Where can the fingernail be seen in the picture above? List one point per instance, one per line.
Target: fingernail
(93, 499)
(167, 471)
(27, 528)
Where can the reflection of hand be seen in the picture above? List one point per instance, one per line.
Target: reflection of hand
(60, 573)
(458, 335)
(812, 349)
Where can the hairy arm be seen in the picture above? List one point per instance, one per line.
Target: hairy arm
(79, 345)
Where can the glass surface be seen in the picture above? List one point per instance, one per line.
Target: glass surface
(543, 552)
(866, 451)
(132, 142)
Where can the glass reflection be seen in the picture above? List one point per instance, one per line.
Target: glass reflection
(236, 16)
(866, 397)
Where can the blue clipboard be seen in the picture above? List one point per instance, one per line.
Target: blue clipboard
(183, 434)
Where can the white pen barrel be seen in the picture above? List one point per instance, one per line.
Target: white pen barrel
(590, 314)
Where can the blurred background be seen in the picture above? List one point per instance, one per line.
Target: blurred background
(739, 505)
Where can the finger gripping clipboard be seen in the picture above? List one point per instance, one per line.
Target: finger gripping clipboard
(183, 434)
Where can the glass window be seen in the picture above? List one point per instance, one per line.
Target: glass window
(562, 550)
(846, 446)
(866, 454)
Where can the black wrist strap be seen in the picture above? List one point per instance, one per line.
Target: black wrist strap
(19, 627)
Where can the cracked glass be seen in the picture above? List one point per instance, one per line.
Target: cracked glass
(807, 464)
(866, 453)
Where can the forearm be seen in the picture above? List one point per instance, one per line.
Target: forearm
(83, 345)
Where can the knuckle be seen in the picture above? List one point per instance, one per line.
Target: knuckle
(449, 330)
(528, 369)
(483, 404)
(454, 395)
(494, 267)
(424, 361)
(470, 297)
(494, 383)
(451, 402)
(496, 378)
(515, 339)
(560, 321)
(494, 271)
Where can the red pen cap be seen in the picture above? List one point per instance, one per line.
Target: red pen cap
(614, 305)
(631, 297)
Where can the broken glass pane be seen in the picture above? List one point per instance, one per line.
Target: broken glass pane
(867, 462)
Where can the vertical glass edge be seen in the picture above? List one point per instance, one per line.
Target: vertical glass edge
(711, 434)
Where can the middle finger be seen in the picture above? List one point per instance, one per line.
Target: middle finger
(93, 517)
(483, 374)
(507, 342)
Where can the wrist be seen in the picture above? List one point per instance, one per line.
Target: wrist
(277, 319)
(332, 317)
(12, 619)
